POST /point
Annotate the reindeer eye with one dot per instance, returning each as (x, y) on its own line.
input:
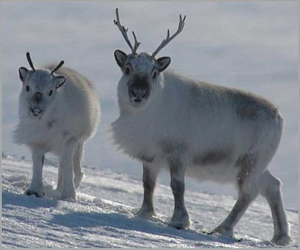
(127, 70)
(27, 88)
(50, 92)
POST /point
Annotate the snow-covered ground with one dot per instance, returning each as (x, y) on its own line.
(103, 215)
(247, 45)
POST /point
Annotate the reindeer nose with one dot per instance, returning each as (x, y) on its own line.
(36, 111)
(38, 96)
(139, 92)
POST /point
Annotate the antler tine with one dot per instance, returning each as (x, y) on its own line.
(57, 67)
(168, 38)
(124, 33)
(136, 43)
(30, 61)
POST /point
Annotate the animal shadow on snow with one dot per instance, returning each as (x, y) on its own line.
(12, 199)
(113, 222)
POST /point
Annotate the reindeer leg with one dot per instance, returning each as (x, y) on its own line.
(149, 181)
(180, 218)
(59, 179)
(270, 189)
(248, 191)
(66, 165)
(235, 215)
(77, 165)
(36, 186)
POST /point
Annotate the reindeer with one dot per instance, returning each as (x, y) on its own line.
(59, 110)
(193, 128)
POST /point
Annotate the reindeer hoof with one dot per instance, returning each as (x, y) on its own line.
(222, 230)
(68, 193)
(282, 240)
(36, 193)
(180, 223)
(145, 213)
(65, 196)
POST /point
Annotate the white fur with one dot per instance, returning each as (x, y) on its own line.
(184, 119)
(67, 122)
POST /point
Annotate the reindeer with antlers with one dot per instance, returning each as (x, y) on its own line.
(203, 130)
(59, 110)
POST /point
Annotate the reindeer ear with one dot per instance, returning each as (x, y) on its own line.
(59, 81)
(163, 63)
(120, 57)
(23, 73)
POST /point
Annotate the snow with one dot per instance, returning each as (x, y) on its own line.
(247, 45)
(103, 215)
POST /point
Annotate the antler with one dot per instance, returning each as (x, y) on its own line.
(124, 33)
(168, 38)
(57, 67)
(30, 61)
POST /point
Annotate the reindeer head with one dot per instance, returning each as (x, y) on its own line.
(141, 71)
(39, 88)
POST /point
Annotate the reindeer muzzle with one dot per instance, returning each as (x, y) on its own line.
(139, 93)
(36, 111)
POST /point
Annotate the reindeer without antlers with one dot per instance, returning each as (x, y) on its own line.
(203, 130)
(58, 113)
